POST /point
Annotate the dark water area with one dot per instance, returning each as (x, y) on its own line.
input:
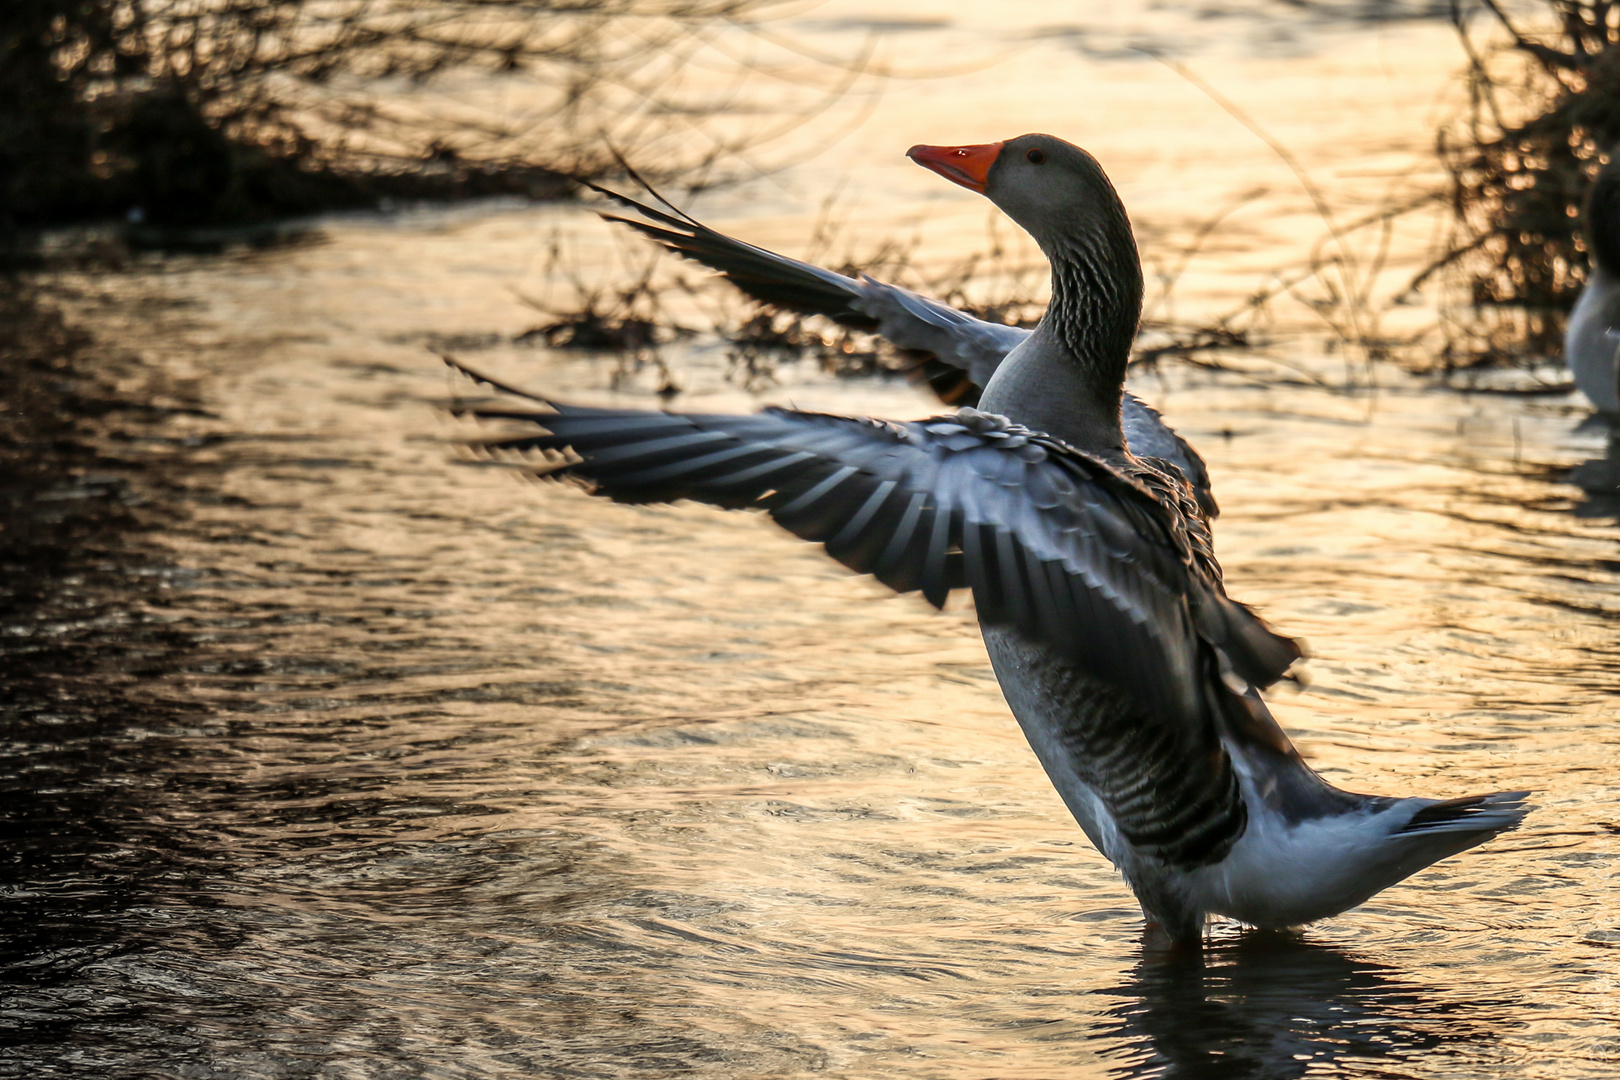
(77, 571)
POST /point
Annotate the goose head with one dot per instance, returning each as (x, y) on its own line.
(1060, 195)
(1052, 188)
(1603, 216)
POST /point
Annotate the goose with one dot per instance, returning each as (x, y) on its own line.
(955, 351)
(1593, 332)
(1134, 677)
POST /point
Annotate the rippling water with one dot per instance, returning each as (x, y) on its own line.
(348, 760)
(329, 752)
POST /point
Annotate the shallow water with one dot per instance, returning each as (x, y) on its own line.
(361, 762)
(330, 752)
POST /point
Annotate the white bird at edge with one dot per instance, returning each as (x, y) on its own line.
(1133, 675)
(1592, 336)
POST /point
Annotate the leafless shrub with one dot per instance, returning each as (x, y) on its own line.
(335, 81)
(594, 316)
(999, 284)
(211, 110)
(628, 320)
(1544, 105)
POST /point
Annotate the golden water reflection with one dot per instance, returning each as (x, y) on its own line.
(437, 767)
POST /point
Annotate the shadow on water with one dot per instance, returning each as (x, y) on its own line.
(1599, 478)
(1271, 1006)
(87, 741)
(205, 860)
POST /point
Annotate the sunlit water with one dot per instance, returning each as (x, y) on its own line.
(358, 758)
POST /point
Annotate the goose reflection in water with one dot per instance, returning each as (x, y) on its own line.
(1599, 478)
(1272, 1006)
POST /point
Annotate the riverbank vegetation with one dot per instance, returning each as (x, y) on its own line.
(1543, 113)
(190, 113)
(187, 114)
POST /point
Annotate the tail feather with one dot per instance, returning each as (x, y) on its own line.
(1486, 814)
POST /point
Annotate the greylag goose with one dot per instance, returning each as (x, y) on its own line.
(1134, 676)
(958, 352)
(1593, 333)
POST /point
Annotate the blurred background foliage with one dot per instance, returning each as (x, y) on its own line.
(1543, 113)
(197, 112)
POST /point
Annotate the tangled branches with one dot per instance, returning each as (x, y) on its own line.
(1543, 108)
(201, 111)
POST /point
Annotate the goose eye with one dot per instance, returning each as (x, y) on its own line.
(1035, 157)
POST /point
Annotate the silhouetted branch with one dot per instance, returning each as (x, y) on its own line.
(1516, 259)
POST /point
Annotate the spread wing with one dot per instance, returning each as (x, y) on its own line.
(904, 318)
(957, 352)
(1053, 543)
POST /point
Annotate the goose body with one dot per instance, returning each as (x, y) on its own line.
(1133, 675)
(1592, 336)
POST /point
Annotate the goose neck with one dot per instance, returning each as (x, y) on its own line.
(1603, 221)
(1066, 380)
(1096, 300)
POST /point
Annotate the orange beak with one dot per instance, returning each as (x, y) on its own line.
(965, 165)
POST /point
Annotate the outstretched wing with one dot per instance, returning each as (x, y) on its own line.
(957, 352)
(1052, 542)
(904, 318)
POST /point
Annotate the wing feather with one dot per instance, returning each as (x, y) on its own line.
(1057, 545)
(938, 336)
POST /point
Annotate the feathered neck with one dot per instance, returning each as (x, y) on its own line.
(1066, 380)
(1096, 297)
(1603, 219)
